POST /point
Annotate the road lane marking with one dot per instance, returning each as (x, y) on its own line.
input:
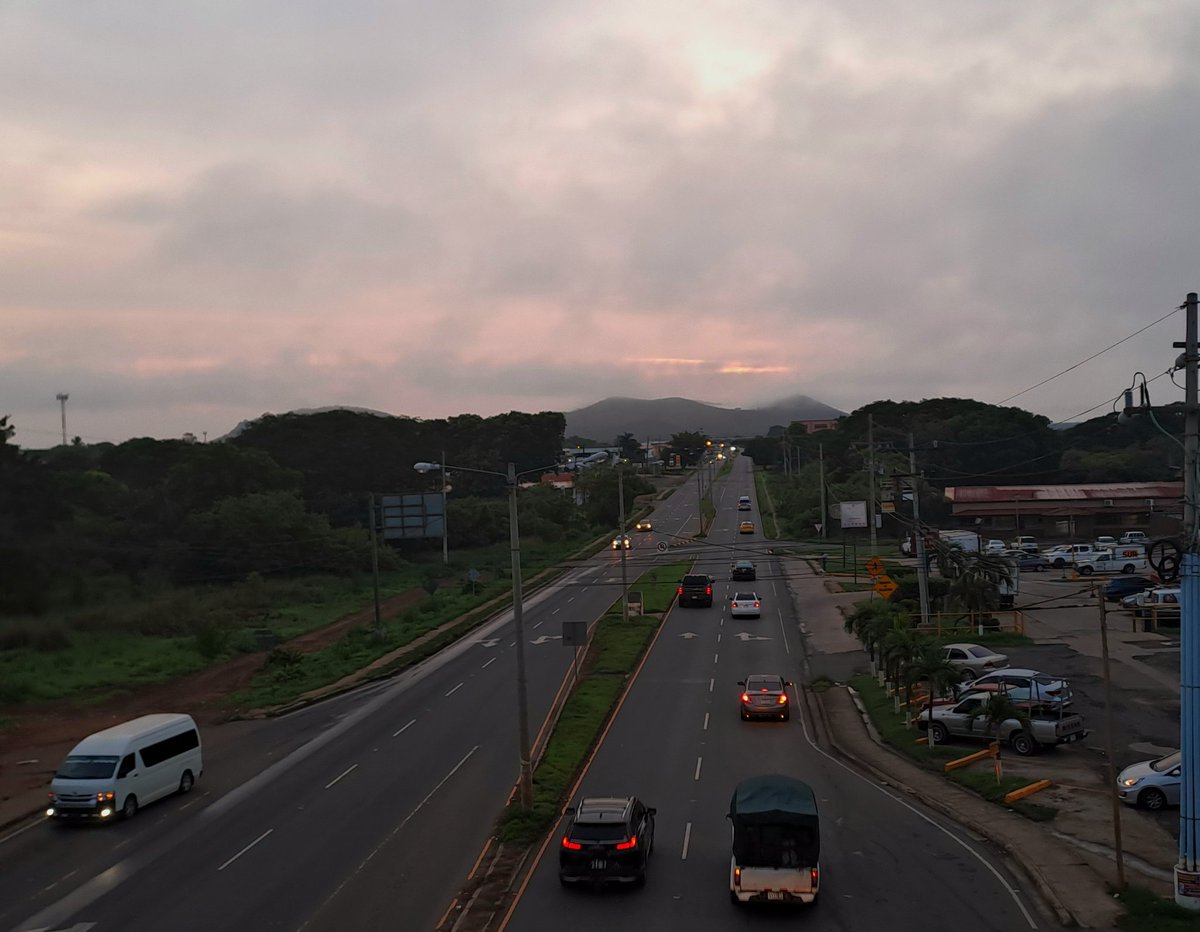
(20, 831)
(408, 818)
(512, 643)
(556, 611)
(455, 689)
(705, 722)
(718, 637)
(687, 837)
(247, 848)
(710, 684)
(784, 630)
(538, 625)
(414, 721)
(1011, 890)
(715, 656)
(572, 599)
(340, 775)
(699, 761)
(489, 663)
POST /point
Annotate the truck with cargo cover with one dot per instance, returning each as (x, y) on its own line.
(1044, 725)
(776, 841)
(696, 589)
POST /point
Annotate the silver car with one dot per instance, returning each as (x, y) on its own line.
(745, 605)
(972, 660)
(1152, 784)
(1023, 686)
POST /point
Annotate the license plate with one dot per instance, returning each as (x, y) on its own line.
(599, 864)
(774, 895)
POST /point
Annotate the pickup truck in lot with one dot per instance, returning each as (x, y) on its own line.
(1128, 559)
(1047, 726)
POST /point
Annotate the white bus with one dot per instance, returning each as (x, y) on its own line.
(119, 770)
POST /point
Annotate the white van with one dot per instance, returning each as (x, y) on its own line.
(118, 770)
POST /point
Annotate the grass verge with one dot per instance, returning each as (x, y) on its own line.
(770, 524)
(890, 725)
(1147, 912)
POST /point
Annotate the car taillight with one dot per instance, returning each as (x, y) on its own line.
(814, 877)
(756, 605)
(627, 845)
(708, 590)
(571, 845)
(745, 698)
(680, 591)
(737, 876)
(782, 699)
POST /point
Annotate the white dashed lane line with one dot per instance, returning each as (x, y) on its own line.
(414, 721)
(344, 773)
(247, 848)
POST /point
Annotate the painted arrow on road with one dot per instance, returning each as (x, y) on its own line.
(746, 636)
(488, 642)
(547, 637)
(689, 634)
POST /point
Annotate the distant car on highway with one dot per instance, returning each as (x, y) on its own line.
(743, 570)
(621, 540)
(746, 527)
(644, 525)
(764, 695)
(744, 503)
(745, 605)
(973, 661)
(606, 839)
(1152, 784)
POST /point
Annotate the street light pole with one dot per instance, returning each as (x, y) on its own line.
(445, 517)
(514, 540)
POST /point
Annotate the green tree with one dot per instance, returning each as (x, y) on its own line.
(929, 666)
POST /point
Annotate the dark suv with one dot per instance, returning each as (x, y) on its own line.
(607, 838)
(696, 589)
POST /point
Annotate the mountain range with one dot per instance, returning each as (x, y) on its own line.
(659, 418)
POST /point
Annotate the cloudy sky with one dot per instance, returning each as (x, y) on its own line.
(216, 209)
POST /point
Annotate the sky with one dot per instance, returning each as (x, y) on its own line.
(210, 211)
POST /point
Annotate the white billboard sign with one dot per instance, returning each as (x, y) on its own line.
(854, 514)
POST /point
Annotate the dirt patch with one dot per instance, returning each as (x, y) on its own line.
(45, 732)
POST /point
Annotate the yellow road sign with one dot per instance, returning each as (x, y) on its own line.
(874, 566)
(885, 586)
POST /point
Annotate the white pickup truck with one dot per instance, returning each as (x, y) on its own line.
(1048, 724)
(1127, 559)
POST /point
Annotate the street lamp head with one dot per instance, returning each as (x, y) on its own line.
(426, 467)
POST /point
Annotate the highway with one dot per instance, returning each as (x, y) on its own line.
(367, 811)
(678, 744)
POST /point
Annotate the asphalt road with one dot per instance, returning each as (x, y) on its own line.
(679, 744)
(365, 812)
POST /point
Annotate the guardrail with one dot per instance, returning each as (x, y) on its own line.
(1012, 622)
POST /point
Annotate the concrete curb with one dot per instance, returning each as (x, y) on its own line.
(1045, 890)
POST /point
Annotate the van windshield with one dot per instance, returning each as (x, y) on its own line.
(87, 768)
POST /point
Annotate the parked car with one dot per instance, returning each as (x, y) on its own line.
(1158, 603)
(744, 570)
(1024, 542)
(1116, 589)
(995, 546)
(764, 695)
(1066, 554)
(1152, 784)
(1026, 560)
(746, 527)
(972, 660)
(644, 525)
(606, 838)
(745, 605)
(1022, 686)
(1104, 542)
(1134, 537)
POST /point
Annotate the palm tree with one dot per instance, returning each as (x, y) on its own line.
(930, 666)
(897, 647)
(1000, 709)
(976, 590)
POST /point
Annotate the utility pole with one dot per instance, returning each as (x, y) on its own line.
(871, 467)
(372, 526)
(918, 534)
(514, 539)
(621, 538)
(62, 403)
(445, 517)
(1108, 742)
(824, 507)
(1187, 870)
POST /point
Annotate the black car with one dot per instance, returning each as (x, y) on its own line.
(696, 589)
(743, 569)
(764, 695)
(607, 838)
(1116, 589)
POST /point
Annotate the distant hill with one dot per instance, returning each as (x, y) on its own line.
(659, 418)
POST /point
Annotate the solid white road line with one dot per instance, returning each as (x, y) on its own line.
(455, 689)
(699, 760)
(687, 837)
(414, 721)
(340, 775)
(489, 663)
(784, 631)
(247, 848)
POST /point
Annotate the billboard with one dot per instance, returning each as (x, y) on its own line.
(413, 516)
